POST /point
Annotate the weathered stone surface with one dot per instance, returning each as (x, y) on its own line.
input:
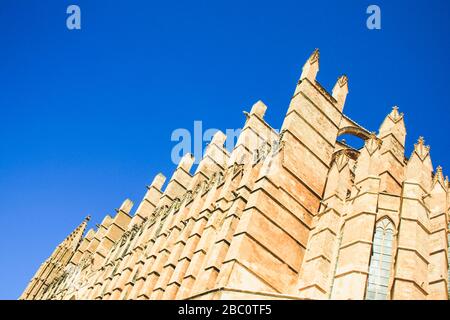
(290, 215)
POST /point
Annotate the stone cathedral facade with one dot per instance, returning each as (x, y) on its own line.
(302, 216)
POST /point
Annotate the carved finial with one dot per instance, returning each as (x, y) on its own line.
(439, 177)
(439, 170)
(311, 67)
(87, 218)
(340, 91)
(421, 149)
(342, 80)
(315, 56)
(394, 125)
(439, 173)
(395, 115)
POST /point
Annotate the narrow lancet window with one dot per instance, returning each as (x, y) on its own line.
(381, 261)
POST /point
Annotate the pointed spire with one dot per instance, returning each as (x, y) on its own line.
(420, 167)
(421, 149)
(314, 57)
(394, 125)
(74, 238)
(368, 163)
(439, 177)
(395, 115)
(311, 67)
(340, 91)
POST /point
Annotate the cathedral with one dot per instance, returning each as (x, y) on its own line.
(291, 214)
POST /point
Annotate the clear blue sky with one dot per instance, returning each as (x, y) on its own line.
(87, 116)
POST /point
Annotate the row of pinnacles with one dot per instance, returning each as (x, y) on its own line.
(305, 216)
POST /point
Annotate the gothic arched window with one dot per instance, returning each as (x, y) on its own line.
(381, 261)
